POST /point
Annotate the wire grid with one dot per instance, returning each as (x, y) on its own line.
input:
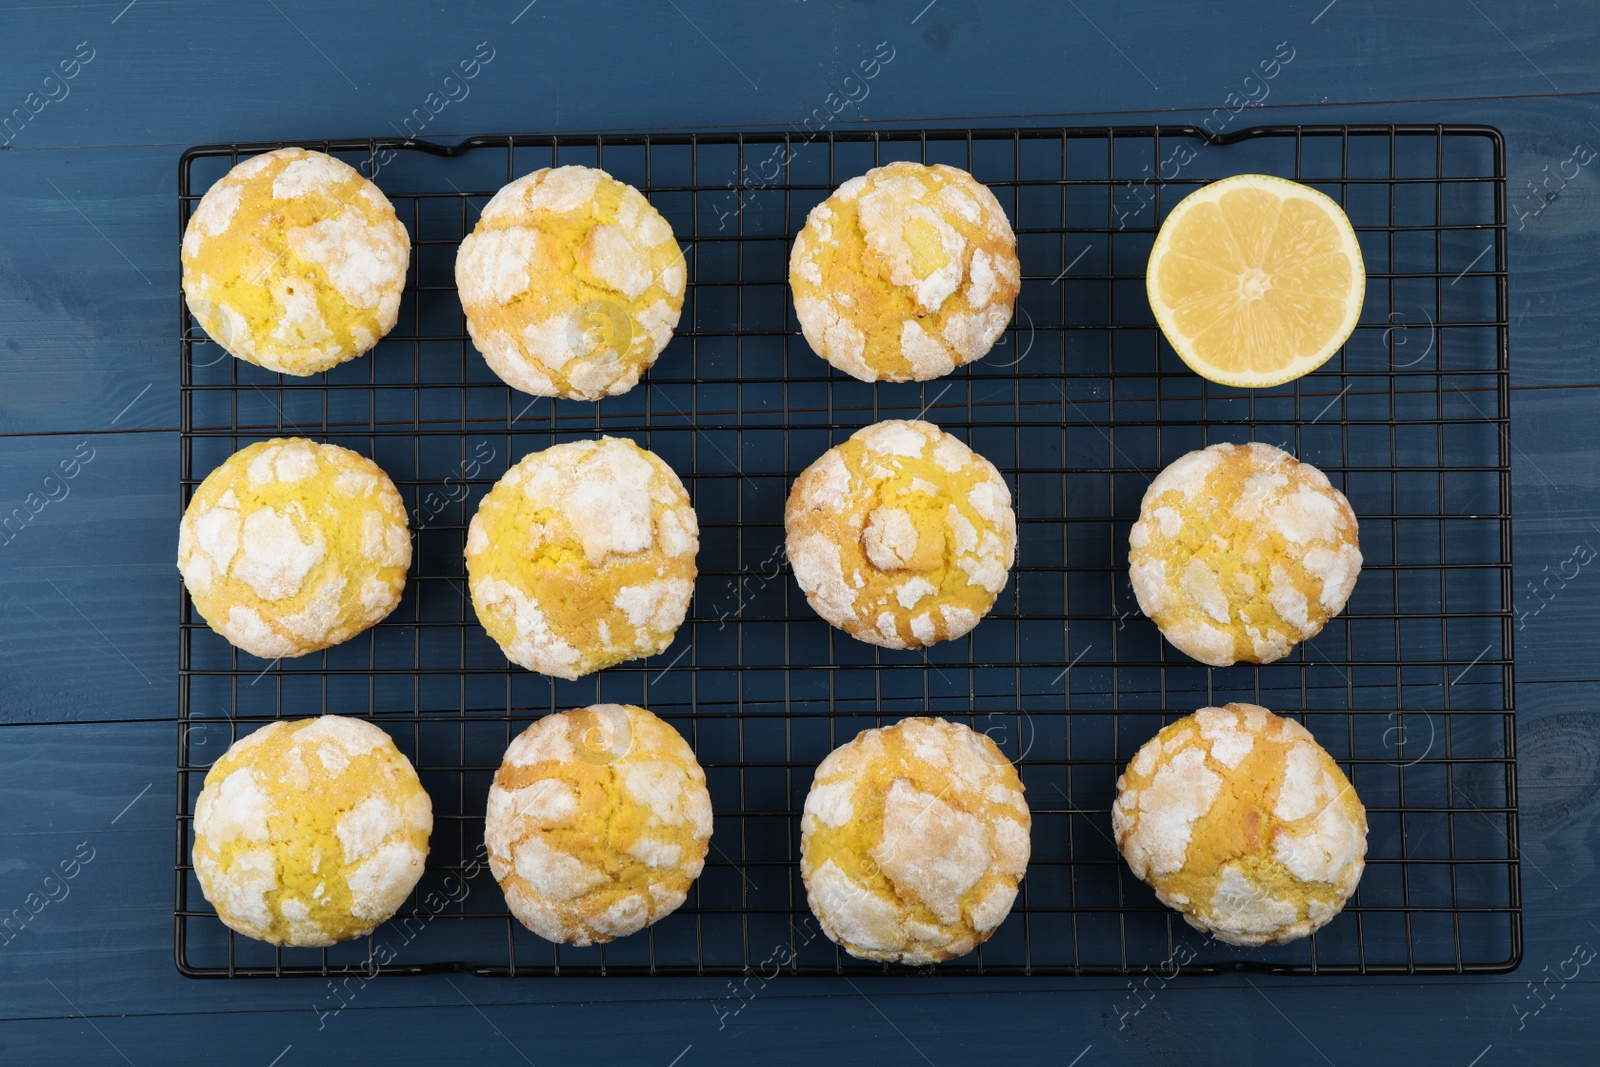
(1079, 405)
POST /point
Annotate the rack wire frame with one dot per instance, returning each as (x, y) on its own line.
(1079, 405)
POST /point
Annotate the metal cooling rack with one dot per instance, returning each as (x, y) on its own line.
(1079, 405)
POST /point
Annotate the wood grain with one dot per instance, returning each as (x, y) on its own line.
(88, 287)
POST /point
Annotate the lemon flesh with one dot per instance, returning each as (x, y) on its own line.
(1256, 280)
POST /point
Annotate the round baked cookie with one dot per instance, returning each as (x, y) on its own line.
(905, 273)
(583, 556)
(291, 546)
(310, 832)
(597, 824)
(902, 536)
(1242, 551)
(295, 262)
(912, 842)
(572, 283)
(1240, 820)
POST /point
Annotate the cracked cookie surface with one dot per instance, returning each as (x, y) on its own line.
(310, 832)
(901, 536)
(905, 273)
(583, 556)
(291, 546)
(295, 262)
(1242, 551)
(572, 283)
(913, 840)
(598, 822)
(1240, 820)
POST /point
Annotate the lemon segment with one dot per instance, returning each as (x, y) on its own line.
(1256, 280)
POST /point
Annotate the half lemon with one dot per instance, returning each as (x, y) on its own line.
(1256, 280)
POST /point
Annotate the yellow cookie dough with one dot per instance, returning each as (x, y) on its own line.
(310, 832)
(291, 546)
(572, 283)
(294, 261)
(913, 840)
(1241, 821)
(1242, 551)
(901, 536)
(905, 273)
(583, 556)
(598, 822)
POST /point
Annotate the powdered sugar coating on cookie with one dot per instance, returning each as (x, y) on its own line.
(583, 556)
(598, 821)
(291, 546)
(1242, 551)
(902, 536)
(294, 261)
(913, 840)
(905, 273)
(310, 832)
(1240, 820)
(572, 283)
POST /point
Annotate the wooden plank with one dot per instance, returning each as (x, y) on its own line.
(88, 290)
(88, 601)
(302, 69)
(105, 791)
(88, 280)
(1307, 1023)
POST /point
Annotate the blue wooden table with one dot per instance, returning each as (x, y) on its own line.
(97, 100)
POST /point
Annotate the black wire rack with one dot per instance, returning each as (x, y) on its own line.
(1079, 405)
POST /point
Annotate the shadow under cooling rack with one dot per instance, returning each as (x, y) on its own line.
(1079, 405)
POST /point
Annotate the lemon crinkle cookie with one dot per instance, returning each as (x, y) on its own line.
(583, 556)
(901, 536)
(598, 822)
(295, 262)
(1240, 820)
(572, 283)
(912, 841)
(310, 832)
(291, 546)
(1242, 551)
(905, 273)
